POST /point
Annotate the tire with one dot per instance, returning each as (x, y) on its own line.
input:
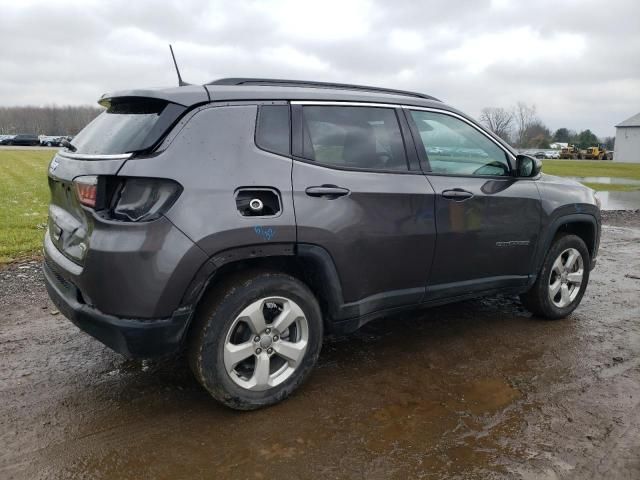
(538, 299)
(219, 324)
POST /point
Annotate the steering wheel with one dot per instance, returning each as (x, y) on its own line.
(490, 169)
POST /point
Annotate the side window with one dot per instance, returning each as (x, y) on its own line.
(354, 137)
(273, 132)
(455, 147)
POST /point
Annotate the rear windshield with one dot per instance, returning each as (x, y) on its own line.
(128, 125)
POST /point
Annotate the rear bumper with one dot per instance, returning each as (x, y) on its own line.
(142, 338)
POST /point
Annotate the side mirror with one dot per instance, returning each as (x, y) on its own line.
(527, 166)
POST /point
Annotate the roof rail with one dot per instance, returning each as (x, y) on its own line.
(311, 84)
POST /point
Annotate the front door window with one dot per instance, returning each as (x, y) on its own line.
(454, 147)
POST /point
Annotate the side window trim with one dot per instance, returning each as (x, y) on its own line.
(296, 130)
(410, 149)
(415, 139)
(298, 136)
(423, 151)
(418, 144)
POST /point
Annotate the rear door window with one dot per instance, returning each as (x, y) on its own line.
(353, 137)
(127, 125)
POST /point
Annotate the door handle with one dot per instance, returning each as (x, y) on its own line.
(457, 194)
(329, 191)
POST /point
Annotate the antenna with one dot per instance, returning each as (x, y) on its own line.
(181, 82)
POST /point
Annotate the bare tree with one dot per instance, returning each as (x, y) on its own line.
(498, 120)
(525, 117)
(50, 120)
(537, 135)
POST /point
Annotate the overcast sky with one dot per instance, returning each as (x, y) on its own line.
(578, 61)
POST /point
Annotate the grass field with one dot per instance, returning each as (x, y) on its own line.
(23, 202)
(24, 194)
(591, 168)
(608, 187)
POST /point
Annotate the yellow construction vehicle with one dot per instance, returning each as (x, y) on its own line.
(570, 151)
(595, 153)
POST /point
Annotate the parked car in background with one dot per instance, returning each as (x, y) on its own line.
(471, 152)
(552, 154)
(24, 139)
(5, 139)
(435, 150)
(50, 141)
(540, 155)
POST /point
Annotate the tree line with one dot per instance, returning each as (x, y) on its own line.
(521, 127)
(50, 120)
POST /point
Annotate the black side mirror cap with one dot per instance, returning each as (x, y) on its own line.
(527, 166)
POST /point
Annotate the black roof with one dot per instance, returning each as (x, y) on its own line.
(277, 82)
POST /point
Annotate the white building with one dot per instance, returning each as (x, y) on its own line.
(559, 145)
(627, 147)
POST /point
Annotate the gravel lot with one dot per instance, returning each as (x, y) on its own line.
(479, 389)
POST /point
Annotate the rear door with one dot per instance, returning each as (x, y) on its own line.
(487, 220)
(360, 196)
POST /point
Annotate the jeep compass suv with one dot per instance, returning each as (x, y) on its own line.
(244, 219)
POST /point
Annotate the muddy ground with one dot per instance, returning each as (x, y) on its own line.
(478, 389)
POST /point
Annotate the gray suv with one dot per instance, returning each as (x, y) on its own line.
(244, 219)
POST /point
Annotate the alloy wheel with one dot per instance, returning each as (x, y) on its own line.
(566, 276)
(266, 343)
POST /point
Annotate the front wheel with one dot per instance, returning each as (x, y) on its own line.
(562, 281)
(256, 340)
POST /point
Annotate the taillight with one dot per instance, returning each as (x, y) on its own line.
(87, 190)
(128, 199)
(143, 199)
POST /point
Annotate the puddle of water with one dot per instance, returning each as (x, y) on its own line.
(488, 395)
(619, 200)
(615, 200)
(607, 180)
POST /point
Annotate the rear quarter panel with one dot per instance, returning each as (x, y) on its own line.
(211, 155)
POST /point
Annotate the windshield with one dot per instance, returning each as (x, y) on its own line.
(128, 125)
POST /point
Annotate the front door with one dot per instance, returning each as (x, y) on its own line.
(355, 196)
(487, 220)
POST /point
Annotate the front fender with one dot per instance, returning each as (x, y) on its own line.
(568, 220)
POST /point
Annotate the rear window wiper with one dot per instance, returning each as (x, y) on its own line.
(68, 145)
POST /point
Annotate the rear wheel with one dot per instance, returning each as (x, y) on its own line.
(256, 340)
(563, 279)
